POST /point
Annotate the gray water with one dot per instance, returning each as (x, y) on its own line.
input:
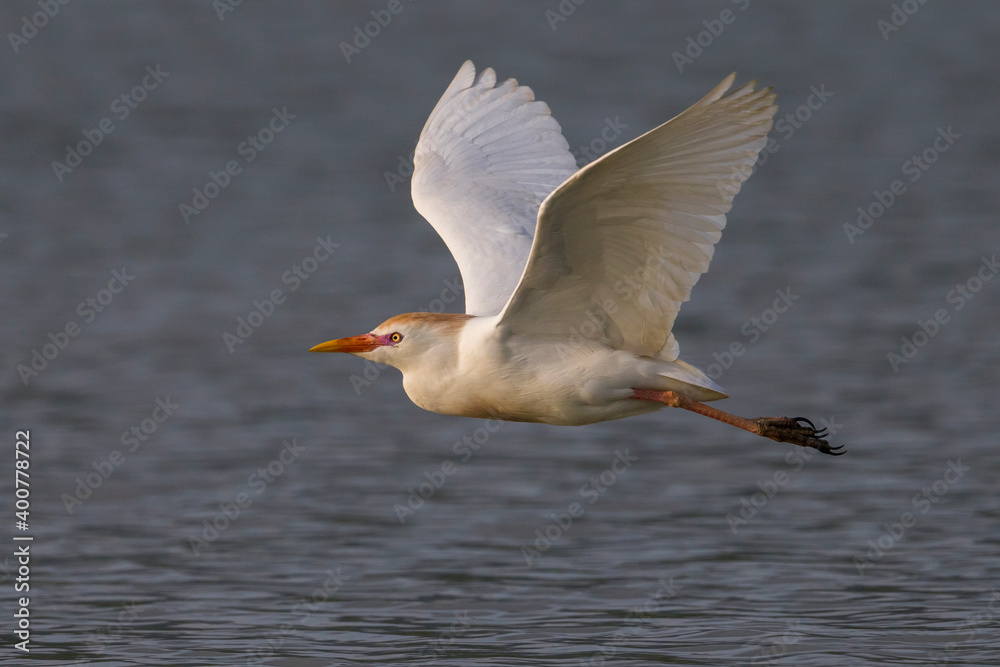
(711, 547)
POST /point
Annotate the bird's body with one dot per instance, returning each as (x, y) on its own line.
(568, 322)
(470, 368)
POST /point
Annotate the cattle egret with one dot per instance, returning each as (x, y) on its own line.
(568, 321)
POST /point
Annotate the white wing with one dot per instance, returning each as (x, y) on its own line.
(487, 158)
(620, 245)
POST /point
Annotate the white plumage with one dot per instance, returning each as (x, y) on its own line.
(569, 321)
(487, 157)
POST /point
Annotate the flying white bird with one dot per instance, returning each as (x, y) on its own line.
(568, 321)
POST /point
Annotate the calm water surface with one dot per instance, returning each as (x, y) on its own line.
(200, 501)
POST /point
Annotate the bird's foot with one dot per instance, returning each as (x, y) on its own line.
(796, 430)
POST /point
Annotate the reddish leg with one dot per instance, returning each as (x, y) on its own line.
(779, 429)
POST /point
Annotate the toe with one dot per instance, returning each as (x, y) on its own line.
(797, 431)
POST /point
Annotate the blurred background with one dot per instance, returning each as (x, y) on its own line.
(194, 194)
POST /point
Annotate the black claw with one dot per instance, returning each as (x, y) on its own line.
(803, 419)
(798, 431)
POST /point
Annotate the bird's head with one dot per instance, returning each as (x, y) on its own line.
(402, 339)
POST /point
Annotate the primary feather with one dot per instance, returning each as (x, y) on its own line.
(623, 241)
(486, 159)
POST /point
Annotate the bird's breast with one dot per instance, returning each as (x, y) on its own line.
(527, 381)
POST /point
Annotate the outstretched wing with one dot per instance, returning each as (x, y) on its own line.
(487, 158)
(620, 245)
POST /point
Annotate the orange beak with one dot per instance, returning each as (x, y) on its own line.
(363, 343)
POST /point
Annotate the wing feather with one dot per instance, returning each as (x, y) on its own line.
(621, 243)
(487, 157)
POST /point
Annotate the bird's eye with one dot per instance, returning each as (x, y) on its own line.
(396, 337)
